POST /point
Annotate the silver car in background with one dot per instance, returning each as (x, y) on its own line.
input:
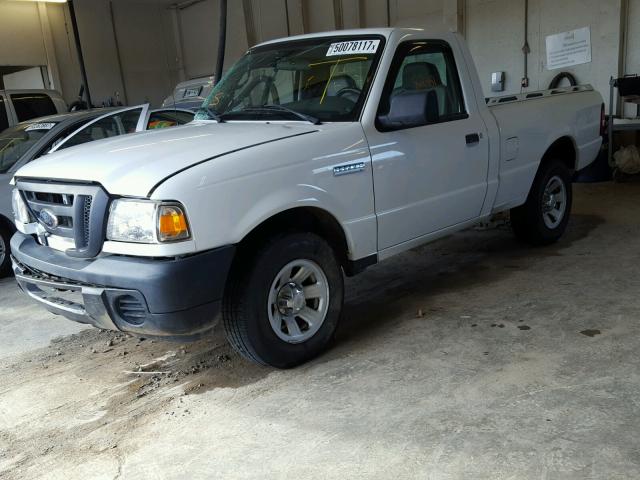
(190, 94)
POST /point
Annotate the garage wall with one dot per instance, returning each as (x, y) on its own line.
(417, 13)
(632, 61)
(632, 57)
(494, 29)
(21, 36)
(99, 49)
(132, 58)
(146, 47)
(495, 33)
(65, 54)
(159, 45)
(199, 36)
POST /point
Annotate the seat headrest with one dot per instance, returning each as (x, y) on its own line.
(340, 82)
(420, 76)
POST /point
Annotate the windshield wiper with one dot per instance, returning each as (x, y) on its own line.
(278, 108)
(213, 115)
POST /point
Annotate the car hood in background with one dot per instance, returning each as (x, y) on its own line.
(134, 164)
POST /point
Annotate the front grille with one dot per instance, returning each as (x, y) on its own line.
(86, 219)
(75, 211)
(39, 201)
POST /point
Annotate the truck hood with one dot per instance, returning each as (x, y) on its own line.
(134, 164)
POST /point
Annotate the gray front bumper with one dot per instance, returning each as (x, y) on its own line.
(175, 297)
(88, 306)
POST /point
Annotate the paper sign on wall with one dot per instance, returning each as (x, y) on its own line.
(569, 48)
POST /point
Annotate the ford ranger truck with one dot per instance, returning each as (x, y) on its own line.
(315, 157)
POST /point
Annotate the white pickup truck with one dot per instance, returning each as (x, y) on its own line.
(315, 156)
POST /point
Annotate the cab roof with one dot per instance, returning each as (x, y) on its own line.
(385, 32)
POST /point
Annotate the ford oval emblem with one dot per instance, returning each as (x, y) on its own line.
(48, 218)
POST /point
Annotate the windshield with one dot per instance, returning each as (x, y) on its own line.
(324, 79)
(14, 142)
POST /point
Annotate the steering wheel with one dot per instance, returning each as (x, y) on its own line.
(349, 93)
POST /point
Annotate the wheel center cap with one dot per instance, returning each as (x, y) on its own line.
(549, 202)
(291, 299)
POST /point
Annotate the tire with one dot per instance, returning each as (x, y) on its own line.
(543, 218)
(5, 258)
(268, 301)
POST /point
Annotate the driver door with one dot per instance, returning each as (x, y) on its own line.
(434, 175)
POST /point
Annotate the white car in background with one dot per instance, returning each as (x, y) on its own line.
(21, 105)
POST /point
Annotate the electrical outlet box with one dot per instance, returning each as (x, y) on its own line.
(497, 82)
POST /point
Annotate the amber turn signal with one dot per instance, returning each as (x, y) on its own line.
(172, 224)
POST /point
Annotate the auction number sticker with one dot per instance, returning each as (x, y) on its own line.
(353, 47)
(40, 126)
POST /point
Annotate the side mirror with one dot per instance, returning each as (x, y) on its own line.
(410, 109)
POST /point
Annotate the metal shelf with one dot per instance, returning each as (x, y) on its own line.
(617, 124)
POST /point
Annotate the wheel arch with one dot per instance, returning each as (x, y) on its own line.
(563, 149)
(302, 219)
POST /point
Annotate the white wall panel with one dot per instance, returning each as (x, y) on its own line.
(417, 13)
(21, 40)
(98, 49)
(633, 38)
(319, 15)
(145, 42)
(494, 29)
(270, 19)
(68, 68)
(495, 33)
(199, 25)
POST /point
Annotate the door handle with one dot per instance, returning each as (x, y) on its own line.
(472, 138)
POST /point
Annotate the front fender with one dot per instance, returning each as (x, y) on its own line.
(229, 196)
(300, 196)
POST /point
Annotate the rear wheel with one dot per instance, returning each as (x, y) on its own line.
(5, 260)
(283, 304)
(543, 218)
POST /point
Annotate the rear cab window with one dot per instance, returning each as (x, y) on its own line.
(32, 105)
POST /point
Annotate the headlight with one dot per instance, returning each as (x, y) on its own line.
(20, 210)
(144, 221)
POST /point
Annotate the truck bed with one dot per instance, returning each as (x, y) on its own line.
(523, 97)
(530, 122)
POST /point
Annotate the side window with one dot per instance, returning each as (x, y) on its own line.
(111, 126)
(32, 105)
(60, 136)
(4, 117)
(426, 66)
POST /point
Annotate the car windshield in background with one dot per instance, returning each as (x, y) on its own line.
(14, 142)
(314, 80)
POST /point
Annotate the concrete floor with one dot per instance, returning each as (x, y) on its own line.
(474, 357)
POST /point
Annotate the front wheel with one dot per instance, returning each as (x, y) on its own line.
(543, 218)
(283, 303)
